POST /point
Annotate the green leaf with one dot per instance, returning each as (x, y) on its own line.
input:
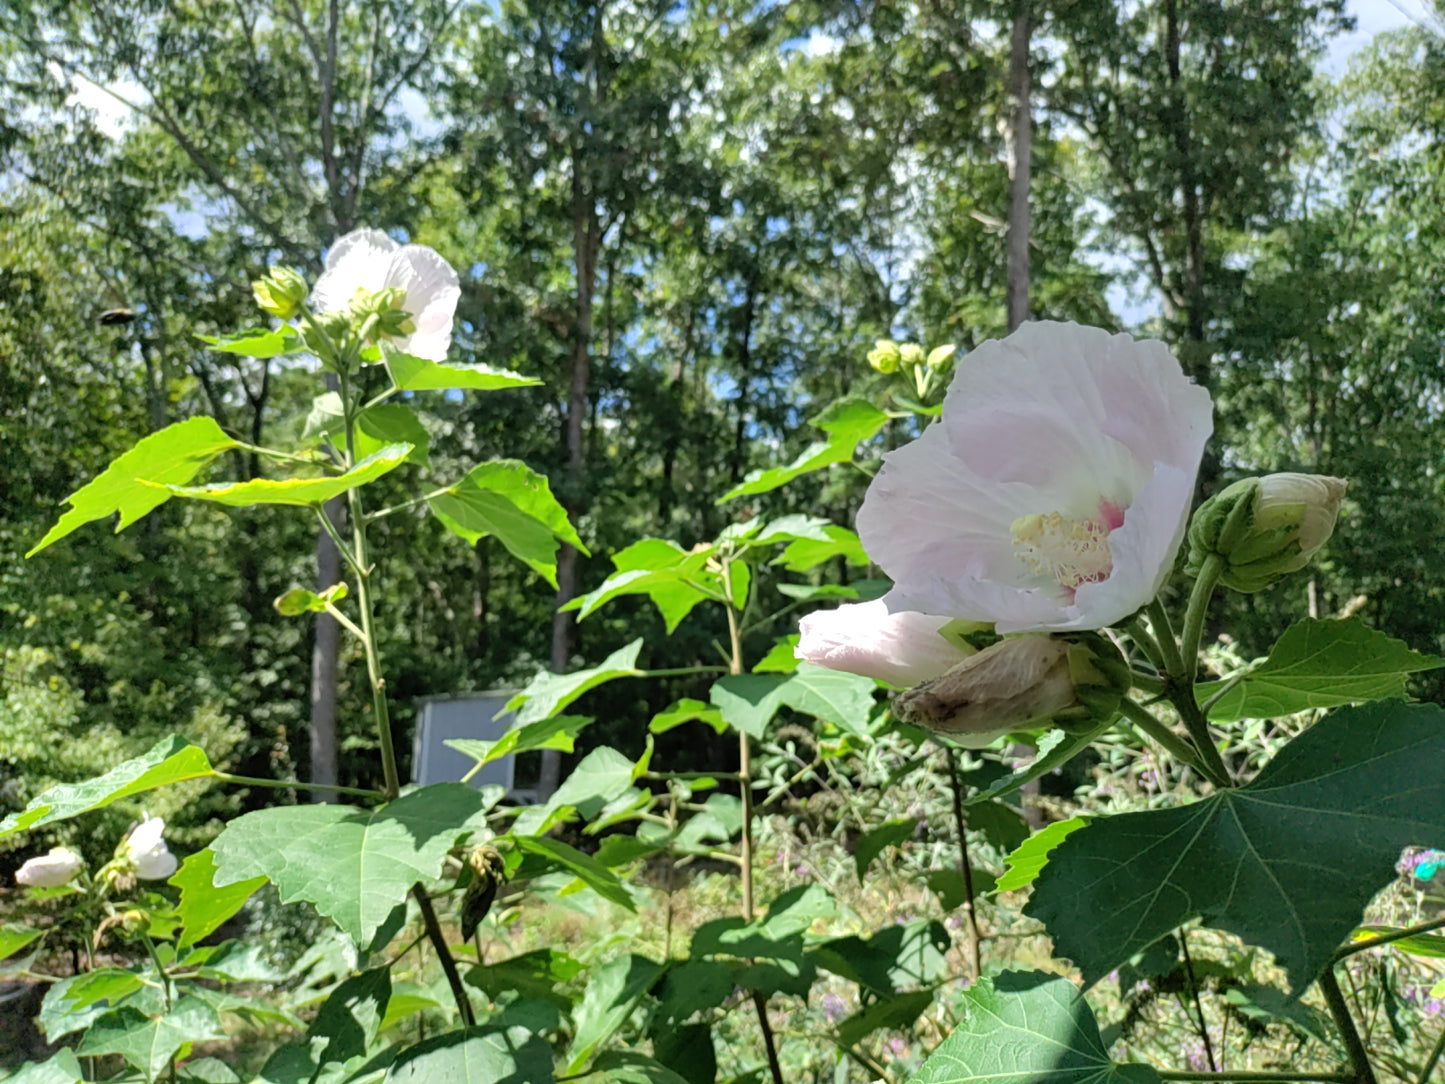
(913, 954)
(895, 1013)
(694, 986)
(14, 937)
(1287, 862)
(1319, 664)
(547, 693)
(847, 422)
(871, 844)
(782, 658)
(150, 1044)
(613, 990)
(1055, 749)
(719, 820)
(952, 890)
(683, 711)
(171, 456)
(355, 865)
(481, 1055)
(63, 1068)
(557, 732)
(630, 1067)
(508, 499)
(351, 1017)
(298, 491)
(391, 423)
(586, 868)
(408, 999)
(675, 579)
(1419, 944)
(749, 701)
(256, 343)
(410, 373)
(1002, 825)
(1030, 857)
(1028, 1028)
(805, 554)
(203, 907)
(1265, 1003)
(171, 760)
(299, 601)
(535, 975)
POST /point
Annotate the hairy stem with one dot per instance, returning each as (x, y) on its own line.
(1197, 611)
(970, 915)
(1362, 1073)
(1176, 746)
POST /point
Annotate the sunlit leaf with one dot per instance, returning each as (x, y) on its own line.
(150, 1044)
(419, 374)
(847, 422)
(257, 343)
(203, 907)
(299, 491)
(547, 693)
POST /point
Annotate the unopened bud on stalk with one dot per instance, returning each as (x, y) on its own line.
(940, 358)
(281, 292)
(910, 355)
(51, 870)
(1265, 528)
(1072, 680)
(884, 356)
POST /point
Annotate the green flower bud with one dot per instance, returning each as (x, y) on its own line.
(940, 358)
(1074, 680)
(911, 355)
(1265, 528)
(884, 356)
(281, 292)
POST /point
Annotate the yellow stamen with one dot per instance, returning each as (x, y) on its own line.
(1068, 551)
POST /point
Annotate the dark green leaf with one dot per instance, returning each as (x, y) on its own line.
(613, 991)
(1265, 1003)
(172, 456)
(591, 872)
(482, 1055)
(1287, 862)
(1319, 664)
(535, 975)
(1028, 1028)
(871, 844)
(895, 1012)
(355, 865)
(694, 986)
(171, 760)
(1002, 825)
(685, 1055)
(63, 1068)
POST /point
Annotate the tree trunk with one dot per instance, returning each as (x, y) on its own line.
(1020, 143)
(585, 242)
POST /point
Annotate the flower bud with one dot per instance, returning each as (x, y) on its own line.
(940, 358)
(884, 356)
(50, 870)
(911, 355)
(1265, 528)
(1021, 681)
(281, 292)
(145, 852)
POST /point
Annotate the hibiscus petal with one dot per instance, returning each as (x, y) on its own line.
(903, 649)
(432, 292)
(357, 261)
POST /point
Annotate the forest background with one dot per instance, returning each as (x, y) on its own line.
(690, 222)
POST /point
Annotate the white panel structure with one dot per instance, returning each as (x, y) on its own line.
(474, 716)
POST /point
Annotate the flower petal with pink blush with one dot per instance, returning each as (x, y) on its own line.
(1055, 489)
(902, 649)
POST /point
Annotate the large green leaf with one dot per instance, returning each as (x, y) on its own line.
(481, 1055)
(355, 865)
(14, 937)
(148, 1043)
(749, 701)
(411, 373)
(805, 554)
(508, 499)
(535, 975)
(299, 491)
(1026, 1027)
(74, 1003)
(675, 579)
(547, 693)
(1318, 664)
(171, 760)
(171, 456)
(1287, 862)
(557, 732)
(630, 1067)
(203, 906)
(847, 423)
(612, 992)
(63, 1068)
(873, 842)
(895, 1012)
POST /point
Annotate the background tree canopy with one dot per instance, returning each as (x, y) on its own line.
(689, 222)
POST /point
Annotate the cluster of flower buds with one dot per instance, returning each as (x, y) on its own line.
(281, 293)
(1262, 529)
(888, 356)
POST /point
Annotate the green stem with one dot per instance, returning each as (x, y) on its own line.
(1197, 611)
(970, 914)
(688, 776)
(272, 453)
(253, 781)
(1174, 664)
(1147, 682)
(1386, 938)
(1345, 1025)
(404, 505)
(160, 969)
(683, 671)
(1146, 643)
(1176, 746)
(1432, 1060)
(340, 543)
(444, 954)
(345, 622)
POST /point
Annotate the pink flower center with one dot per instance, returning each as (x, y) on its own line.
(1068, 551)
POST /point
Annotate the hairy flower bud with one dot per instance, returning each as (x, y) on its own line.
(1021, 681)
(1265, 528)
(884, 356)
(50, 870)
(281, 292)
